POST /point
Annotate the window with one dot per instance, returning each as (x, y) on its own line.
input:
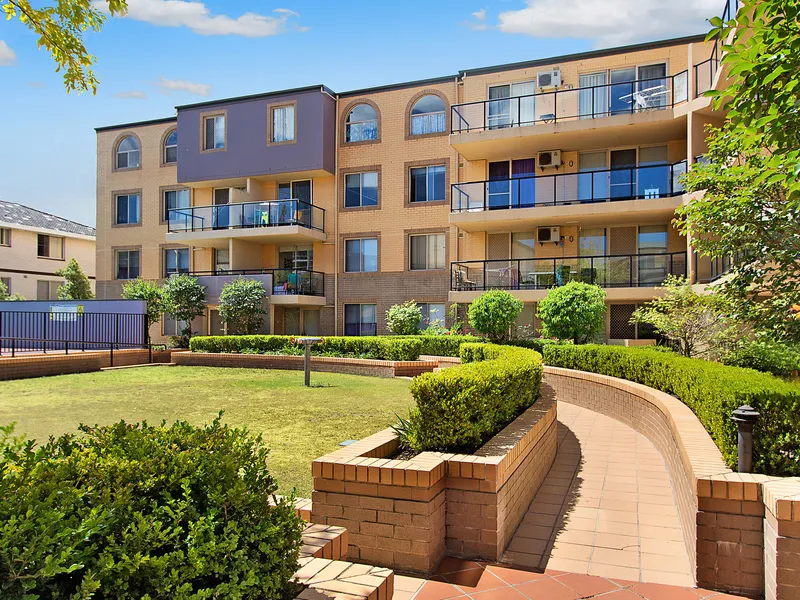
(427, 252)
(361, 189)
(47, 290)
(127, 264)
(432, 313)
(592, 242)
(214, 133)
(50, 246)
(427, 184)
(5, 237)
(428, 115)
(171, 326)
(360, 319)
(362, 124)
(6, 281)
(176, 260)
(176, 199)
(127, 209)
(282, 124)
(171, 148)
(361, 256)
(222, 261)
(296, 257)
(128, 153)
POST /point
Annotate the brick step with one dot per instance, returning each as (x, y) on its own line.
(340, 580)
(324, 541)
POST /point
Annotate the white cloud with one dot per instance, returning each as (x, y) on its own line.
(197, 17)
(610, 22)
(480, 15)
(167, 86)
(133, 95)
(7, 56)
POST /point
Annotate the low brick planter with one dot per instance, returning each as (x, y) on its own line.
(25, 366)
(351, 366)
(407, 515)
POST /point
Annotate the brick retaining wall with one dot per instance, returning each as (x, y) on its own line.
(42, 365)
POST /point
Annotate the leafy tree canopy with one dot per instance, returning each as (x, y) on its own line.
(76, 284)
(151, 293)
(493, 313)
(241, 305)
(185, 300)
(575, 311)
(404, 319)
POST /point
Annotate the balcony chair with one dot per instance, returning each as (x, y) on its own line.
(462, 282)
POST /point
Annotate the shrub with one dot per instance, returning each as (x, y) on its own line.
(713, 391)
(76, 284)
(537, 344)
(767, 356)
(460, 408)
(404, 319)
(4, 295)
(136, 511)
(575, 311)
(241, 305)
(185, 299)
(493, 313)
(443, 345)
(151, 293)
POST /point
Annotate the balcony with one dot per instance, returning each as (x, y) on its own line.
(585, 117)
(705, 72)
(285, 286)
(495, 204)
(272, 221)
(536, 275)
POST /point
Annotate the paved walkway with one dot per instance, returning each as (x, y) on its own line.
(606, 508)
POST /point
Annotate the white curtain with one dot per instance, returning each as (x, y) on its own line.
(593, 101)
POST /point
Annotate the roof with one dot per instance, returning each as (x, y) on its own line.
(138, 124)
(18, 214)
(308, 88)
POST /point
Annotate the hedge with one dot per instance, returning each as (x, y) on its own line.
(441, 345)
(376, 348)
(458, 409)
(136, 511)
(713, 391)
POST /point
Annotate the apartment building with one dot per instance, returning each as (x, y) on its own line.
(520, 177)
(35, 244)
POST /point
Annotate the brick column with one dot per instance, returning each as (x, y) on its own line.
(782, 539)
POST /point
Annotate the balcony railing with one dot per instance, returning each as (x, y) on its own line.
(271, 213)
(608, 185)
(609, 271)
(285, 282)
(705, 71)
(589, 102)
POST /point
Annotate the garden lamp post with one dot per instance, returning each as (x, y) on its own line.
(307, 342)
(745, 418)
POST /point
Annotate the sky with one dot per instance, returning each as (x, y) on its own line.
(166, 53)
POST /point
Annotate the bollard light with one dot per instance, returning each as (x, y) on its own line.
(745, 418)
(308, 342)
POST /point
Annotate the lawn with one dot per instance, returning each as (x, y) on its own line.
(299, 424)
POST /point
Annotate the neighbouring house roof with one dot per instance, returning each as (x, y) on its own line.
(18, 214)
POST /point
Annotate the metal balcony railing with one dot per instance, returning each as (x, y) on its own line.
(285, 282)
(608, 185)
(589, 102)
(268, 213)
(609, 271)
(705, 71)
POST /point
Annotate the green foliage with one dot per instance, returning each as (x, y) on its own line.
(241, 305)
(460, 408)
(713, 391)
(136, 511)
(4, 295)
(375, 348)
(151, 293)
(766, 356)
(537, 344)
(493, 313)
(404, 319)
(60, 30)
(184, 299)
(699, 324)
(575, 311)
(76, 285)
(444, 345)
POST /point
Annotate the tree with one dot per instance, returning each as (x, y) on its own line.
(699, 324)
(241, 305)
(151, 293)
(60, 31)
(185, 300)
(76, 285)
(4, 295)
(404, 319)
(575, 311)
(493, 313)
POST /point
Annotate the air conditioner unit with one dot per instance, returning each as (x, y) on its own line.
(549, 79)
(548, 234)
(551, 158)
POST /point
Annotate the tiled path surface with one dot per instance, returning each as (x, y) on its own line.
(467, 580)
(606, 508)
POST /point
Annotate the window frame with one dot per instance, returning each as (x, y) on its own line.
(164, 209)
(50, 239)
(118, 253)
(115, 156)
(5, 237)
(427, 168)
(175, 250)
(361, 172)
(204, 118)
(361, 241)
(271, 108)
(426, 309)
(426, 235)
(409, 116)
(361, 321)
(7, 282)
(165, 146)
(168, 318)
(52, 294)
(347, 123)
(115, 208)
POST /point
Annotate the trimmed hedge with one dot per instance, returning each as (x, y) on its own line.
(713, 391)
(442, 345)
(460, 408)
(375, 348)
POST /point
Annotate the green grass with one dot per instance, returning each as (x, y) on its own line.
(298, 424)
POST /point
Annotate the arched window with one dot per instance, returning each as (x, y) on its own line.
(428, 115)
(171, 148)
(361, 124)
(128, 153)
